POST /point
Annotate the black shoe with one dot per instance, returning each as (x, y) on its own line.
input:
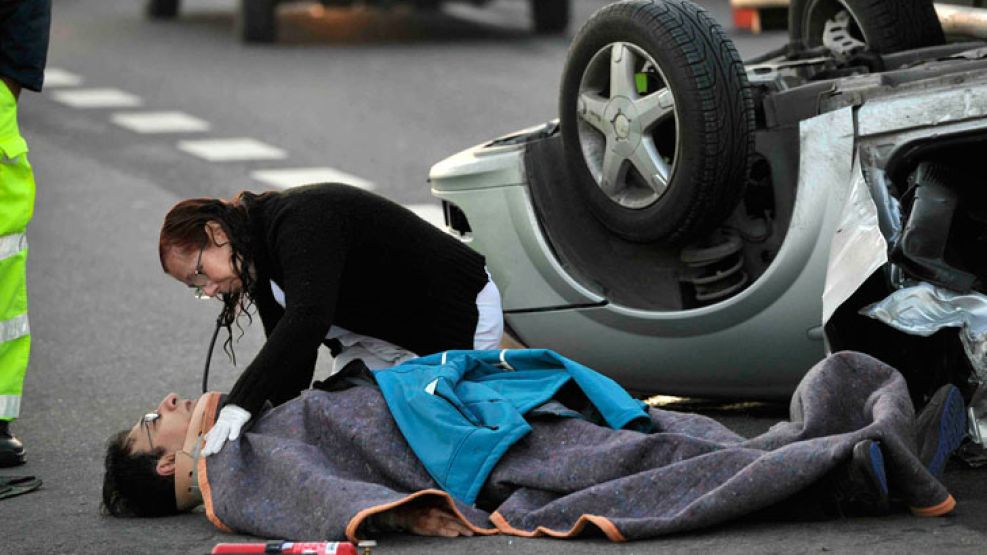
(941, 428)
(11, 449)
(860, 488)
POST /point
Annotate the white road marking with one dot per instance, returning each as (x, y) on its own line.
(97, 98)
(228, 150)
(55, 77)
(292, 177)
(431, 213)
(159, 122)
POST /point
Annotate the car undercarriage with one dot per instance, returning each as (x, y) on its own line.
(624, 235)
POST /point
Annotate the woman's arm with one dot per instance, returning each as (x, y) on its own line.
(310, 250)
(295, 379)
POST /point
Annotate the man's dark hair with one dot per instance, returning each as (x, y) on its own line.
(131, 485)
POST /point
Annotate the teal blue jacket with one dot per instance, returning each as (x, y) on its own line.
(460, 411)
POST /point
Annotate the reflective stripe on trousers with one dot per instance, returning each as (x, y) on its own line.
(17, 191)
(10, 406)
(15, 329)
(12, 244)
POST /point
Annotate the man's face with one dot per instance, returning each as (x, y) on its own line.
(168, 430)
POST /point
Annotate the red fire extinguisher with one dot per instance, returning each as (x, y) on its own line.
(291, 548)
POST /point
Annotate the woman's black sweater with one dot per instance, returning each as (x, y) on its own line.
(347, 257)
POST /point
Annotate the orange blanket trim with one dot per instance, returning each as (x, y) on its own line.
(938, 509)
(208, 419)
(358, 519)
(603, 523)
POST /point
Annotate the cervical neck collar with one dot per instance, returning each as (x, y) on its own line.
(187, 494)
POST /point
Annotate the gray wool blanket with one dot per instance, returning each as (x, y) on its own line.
(318, 466)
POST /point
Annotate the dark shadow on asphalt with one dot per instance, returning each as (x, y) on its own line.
(716, 407)
(746, 418)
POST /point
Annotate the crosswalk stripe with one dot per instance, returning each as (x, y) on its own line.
(96, 98)
(233, 149)
(55, 77)
(159, 122)
(292, 177)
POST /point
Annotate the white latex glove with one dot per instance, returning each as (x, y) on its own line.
(231, 420)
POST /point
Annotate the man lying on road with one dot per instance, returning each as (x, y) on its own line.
(529, 443)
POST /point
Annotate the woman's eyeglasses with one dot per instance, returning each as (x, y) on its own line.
(197, 279)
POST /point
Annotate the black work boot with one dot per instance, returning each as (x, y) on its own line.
(860, 487)
(11, 449)
(940, 428)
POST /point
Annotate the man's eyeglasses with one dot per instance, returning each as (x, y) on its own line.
(146, 422)
(197, 279)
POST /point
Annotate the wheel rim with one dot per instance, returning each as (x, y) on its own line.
(628, 133)
(829, 23)
(841, 35)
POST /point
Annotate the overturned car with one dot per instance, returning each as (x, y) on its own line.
(697, 225)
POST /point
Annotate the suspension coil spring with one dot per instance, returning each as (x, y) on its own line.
(715, 267)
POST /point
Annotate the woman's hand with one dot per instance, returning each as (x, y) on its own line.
(231, 419)
(430, 521)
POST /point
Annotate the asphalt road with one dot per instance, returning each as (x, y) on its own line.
(379, 96)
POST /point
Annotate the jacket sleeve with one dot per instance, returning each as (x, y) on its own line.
(24, 29)
(296, 378)
(309, 250)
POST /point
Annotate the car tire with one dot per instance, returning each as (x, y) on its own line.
(550, 16)
(882, 26)
(703, 143)
(162, 9)
(258, 20)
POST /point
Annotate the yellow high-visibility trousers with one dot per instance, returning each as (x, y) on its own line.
(16, 209)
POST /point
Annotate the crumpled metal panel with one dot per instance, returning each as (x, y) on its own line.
(924, 309)
(920, 110)
(977, 426)
(888, 207)
(857, 249)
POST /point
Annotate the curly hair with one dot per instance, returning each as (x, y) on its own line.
(132, 486)
(184, 231)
